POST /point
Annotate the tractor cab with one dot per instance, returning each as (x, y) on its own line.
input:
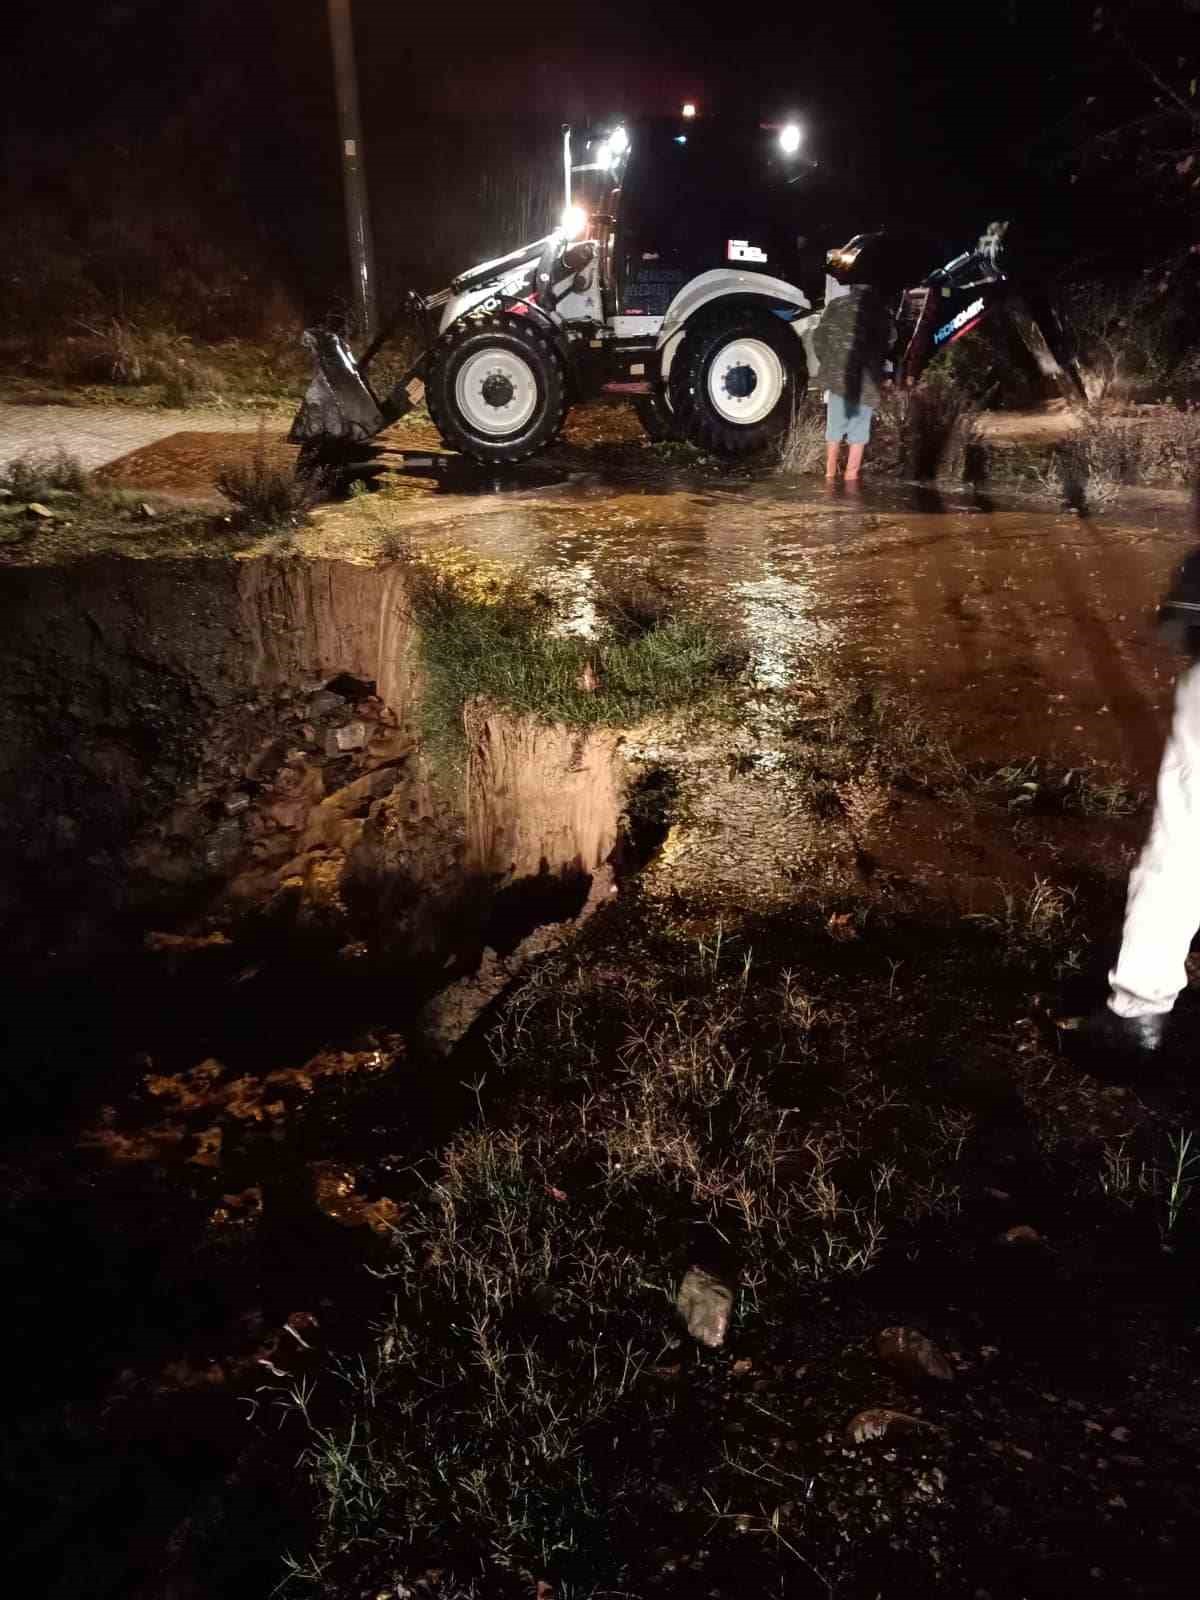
(700, 198)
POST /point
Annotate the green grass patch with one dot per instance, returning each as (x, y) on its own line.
(501, 645)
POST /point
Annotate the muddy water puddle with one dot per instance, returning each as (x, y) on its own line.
(1026, 627)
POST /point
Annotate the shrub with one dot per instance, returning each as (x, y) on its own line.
(268, 496)
(1123, 337)
(930, 432)
(803, 447)
(993, 366)
(32, 477)
(1112, 452)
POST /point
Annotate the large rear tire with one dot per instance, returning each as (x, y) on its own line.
(734, 381)
(496, 389)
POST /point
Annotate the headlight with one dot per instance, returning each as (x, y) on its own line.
(790, 137)
(618, 141)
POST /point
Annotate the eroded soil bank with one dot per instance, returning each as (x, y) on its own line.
(281, 1012)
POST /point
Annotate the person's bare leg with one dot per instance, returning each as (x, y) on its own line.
(854, 457)
(832, 451)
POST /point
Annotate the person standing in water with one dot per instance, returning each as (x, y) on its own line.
(852, 342)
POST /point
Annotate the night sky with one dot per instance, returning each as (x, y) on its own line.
(935, 112)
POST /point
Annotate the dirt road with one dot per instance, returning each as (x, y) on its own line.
(99, 434)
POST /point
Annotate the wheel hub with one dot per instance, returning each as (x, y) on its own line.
(740, 382)
(746, 380)
(496, 392)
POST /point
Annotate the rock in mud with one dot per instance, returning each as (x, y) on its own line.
(913, 1354)
(182, 943)
(704, 1303)
(325, 704)
(352, 737)
(238, 1210)
(289, 814)
(335, 1192)
(879, 1422)
(223, 845)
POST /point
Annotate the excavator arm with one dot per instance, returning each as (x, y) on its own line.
(955, 298)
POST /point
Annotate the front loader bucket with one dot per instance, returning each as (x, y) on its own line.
(338, 407)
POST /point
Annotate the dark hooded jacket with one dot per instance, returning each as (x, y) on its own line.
(852, 341)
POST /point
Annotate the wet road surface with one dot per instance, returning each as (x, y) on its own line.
(1026, 626)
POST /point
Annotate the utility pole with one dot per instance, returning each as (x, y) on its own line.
(354, 178)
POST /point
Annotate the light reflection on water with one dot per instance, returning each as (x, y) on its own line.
(1012, 615)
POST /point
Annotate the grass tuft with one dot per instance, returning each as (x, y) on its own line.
(501, 645)
(803, 446)
(267, 496)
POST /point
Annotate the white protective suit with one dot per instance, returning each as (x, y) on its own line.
(1162, 912)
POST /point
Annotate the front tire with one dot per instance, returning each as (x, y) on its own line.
(496, 390)
(734, 381)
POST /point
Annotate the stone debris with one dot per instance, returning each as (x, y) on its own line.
(912, 1353)
(351, 737)
(236, 802)
(880, 1422)
(324, 704)
(238, 1210)
(222, 845)
(1021, 1234)
(38, 510)
(704, 1303)
(334, 1191)
(184, 942)
(145, 509)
